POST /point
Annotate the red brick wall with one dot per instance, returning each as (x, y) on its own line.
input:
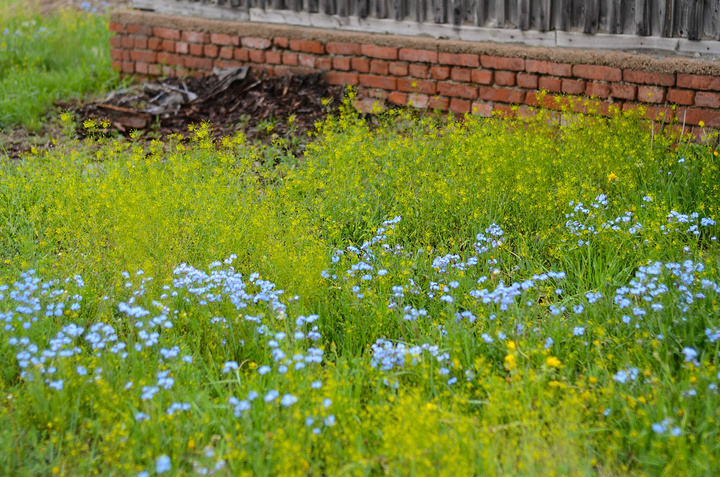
(458, 82)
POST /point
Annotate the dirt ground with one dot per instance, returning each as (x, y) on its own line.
(237, 99)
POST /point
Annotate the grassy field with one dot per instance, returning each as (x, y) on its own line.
(44, 58)
(423, 297)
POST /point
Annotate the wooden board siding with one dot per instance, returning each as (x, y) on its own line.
(675, 25)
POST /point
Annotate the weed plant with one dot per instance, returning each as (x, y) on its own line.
(477, 297)
(43, 58)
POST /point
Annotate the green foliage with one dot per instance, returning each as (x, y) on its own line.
(546, 303)
(44, 58)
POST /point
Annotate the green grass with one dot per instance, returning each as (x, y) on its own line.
(43, 58)
(608, 368)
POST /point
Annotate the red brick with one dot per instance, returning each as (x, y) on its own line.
(598, 73)
(126, 55)
(169, 59)
(128, 42)
(146, 56)
(502, 95)
(502, 63)
(141, 67)
(382, 82)
(482, 109)
(155, 70)
(681, 96)
(281, 42)
(548, 68)
(398, 69)
(457, 90)
(169, 46)
(650, 94)
(273, 57)
(116, 41)
(134, 29)
(459, 59)
(128, 67)
(343, 48)
(378, 67)
(195, 37)
(155, 44)
(570, 86)
(705, 99)
(196, 49)
(459, 106)
(360, 64)
(199, 63)
(226, 53)
(482, 77)
(256, 43)
(698, 82)
(116, 65)
(336, 78)
(380, 52)
(182, 47)
(505, 78)
(653, 113)
(140, 43)
(416, 86)
(290, 59)
(306, 61)
(307, 46)
(341, 63)
(398, 98)
(623, 91)
(418, 56)
(646, 77)
(418, 100)
(503, 110)
(439, 72)
(225, 40)
(418, 71)
(116, 54)
(527, 81)
(116, 27)
(323, 63)
(168, 71)
(211, 51)
(240, 54)
(461, 74)
(439, 103)
(257, 56)
(166, 33)
(552, 85)
(222, 64)
(598, 90)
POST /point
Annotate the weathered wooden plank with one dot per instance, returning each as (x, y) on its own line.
(642, 17)
(395, 9)
(469, 11)
(512, 12)
(311, 6)
(689, 18)
(543, 15)
(327, 7)
(342, 7)
(440, 11)
(628, 17)
(481, 12)
(589, 13)
(711, 28)
(523, 14)
(500, 13)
